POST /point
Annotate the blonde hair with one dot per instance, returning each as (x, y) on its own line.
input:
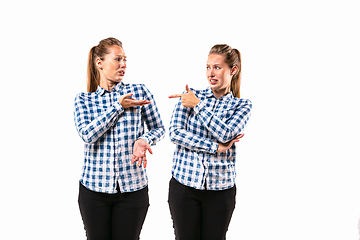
(99, 51)
(232, 58)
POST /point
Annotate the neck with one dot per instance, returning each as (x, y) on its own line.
(107, 84)
(220, 92)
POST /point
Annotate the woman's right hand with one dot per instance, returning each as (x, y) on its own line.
(223, 147)
(126, 101)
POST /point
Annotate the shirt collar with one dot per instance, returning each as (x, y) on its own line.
(101, 91)
(209, 94)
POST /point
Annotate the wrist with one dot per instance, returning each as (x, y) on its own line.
(197, 102)
(199, 106)
(145, 140)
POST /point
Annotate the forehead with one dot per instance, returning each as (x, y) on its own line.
(215, 58)
(116, 51)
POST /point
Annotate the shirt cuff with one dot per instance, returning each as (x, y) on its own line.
(214, 148)
(118, 107)
(199, 107)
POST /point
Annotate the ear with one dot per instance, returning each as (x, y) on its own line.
(98, 63)
(234, 70)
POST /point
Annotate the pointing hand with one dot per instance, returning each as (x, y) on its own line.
(188, 99)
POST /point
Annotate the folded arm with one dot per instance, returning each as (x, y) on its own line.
(181, 136)
(229, 128)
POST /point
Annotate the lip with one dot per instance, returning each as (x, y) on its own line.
(213, 81)
(121, 73)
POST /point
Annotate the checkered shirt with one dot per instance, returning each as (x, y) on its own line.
(109, 132)
(197, 132)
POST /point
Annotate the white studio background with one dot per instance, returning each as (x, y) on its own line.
(298, 164)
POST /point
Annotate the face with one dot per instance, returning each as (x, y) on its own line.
(219, 74)
(113, 66)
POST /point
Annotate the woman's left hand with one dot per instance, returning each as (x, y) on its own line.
(223, 147)
(139, 152)
(188, 99)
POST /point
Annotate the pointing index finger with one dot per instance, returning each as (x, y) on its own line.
(175, 96)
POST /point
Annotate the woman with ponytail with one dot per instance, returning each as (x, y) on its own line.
(113, 192)
(204, 127)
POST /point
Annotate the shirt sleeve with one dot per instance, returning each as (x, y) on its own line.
(90, 130)
(152, 119)
(225, 130)
(181, 136)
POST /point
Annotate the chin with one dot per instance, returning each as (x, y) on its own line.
(116, 81)
(213, 87)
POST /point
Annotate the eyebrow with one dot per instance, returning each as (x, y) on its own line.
(121, 56)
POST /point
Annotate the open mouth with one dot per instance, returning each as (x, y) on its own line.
(122, 73)
(213, 81)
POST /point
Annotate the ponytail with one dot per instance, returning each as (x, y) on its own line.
(232, 58)
(99, 51)
(93, 75)
(236, 80)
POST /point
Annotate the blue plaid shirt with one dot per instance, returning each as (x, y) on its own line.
(196, 133)
(109, 132)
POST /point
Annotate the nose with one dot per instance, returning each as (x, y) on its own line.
(210, 72)
(123, 64)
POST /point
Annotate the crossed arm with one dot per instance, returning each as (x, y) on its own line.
(190, 100)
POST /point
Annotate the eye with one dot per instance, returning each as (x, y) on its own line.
(207, 67)
(217, 67)
(119, 59)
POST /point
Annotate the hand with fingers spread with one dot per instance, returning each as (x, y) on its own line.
(139, 152)
(223, 147)
(126, 101)
(188, 99)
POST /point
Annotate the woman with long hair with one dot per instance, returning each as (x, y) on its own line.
(205, 124)
(111, 119)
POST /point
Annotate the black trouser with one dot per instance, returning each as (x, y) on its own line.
(200, 214)
(113, 216)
